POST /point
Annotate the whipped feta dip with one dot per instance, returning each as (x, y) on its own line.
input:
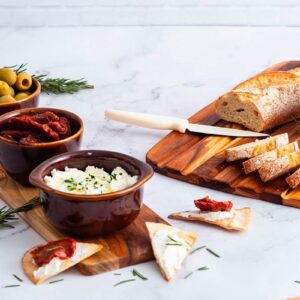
(171, 255)
(91, 181)
(52, 267)
(211, 216)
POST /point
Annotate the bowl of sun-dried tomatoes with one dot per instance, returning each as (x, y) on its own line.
(30, 136)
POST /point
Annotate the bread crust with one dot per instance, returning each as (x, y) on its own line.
(240, 221)
(279, 166)
(255, 148)
(189, 238)
(294, 180)
(29, 266)
(255, 163)
(263, 101)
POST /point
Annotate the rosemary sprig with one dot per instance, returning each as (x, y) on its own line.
(197, 249)
(212, 252)
(17, 277)
(188, 275)
(55, 85)
(202, 269)
(199, 269)
(137, 273)
(8, 214)
(62, 85)
(55, 281)
(11, 285)
(124, 281)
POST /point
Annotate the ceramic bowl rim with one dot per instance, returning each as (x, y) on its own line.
(146, 172)
(17, 112)
(36, 93)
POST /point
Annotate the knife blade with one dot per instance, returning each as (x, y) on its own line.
(172, 123)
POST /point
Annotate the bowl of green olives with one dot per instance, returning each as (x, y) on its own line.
(17, 90)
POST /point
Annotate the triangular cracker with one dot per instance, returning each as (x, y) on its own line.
(187, 237)
(240, 220)
(29, 267)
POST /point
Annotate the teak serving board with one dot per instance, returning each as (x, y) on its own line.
(199, 159)
(127, 247)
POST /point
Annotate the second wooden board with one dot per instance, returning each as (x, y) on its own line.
(200, 159)
(127, 247)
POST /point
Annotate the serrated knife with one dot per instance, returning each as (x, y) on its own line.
(172, 123)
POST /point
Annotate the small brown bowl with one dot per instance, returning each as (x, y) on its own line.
(19, 160)
(91, 215)
(31, 101)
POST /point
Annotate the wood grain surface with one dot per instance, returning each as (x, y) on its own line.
(127, 247)
(200, 159)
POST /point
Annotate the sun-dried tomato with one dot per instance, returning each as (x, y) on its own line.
(207, 204)
(62, 249)
(36, 128)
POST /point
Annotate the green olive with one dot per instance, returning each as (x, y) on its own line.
(21, 96)
(7, 99)
(11, 91)
(24, 82)
(8, 75)
(4, 88)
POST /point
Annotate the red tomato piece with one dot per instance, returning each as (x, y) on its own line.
(207, 204)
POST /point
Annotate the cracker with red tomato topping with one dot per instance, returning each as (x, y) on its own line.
(38, 272)
(217, 213)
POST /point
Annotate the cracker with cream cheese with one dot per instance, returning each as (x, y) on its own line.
(84, 250)
(170, 247)
(239, 221)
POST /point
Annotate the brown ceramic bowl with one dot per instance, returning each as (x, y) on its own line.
(91, 215)
(31, 101)
(19, 160)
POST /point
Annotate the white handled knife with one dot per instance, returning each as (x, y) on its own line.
(170, 123)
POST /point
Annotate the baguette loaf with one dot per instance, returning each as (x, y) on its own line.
(279, 166)
(294, 179)
(254, 163)
(258, 147)
(264, 101)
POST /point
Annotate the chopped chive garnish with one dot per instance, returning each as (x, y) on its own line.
(12, 285)
(212, 252)
(17, 277)
(55, 281)
(202, 269)
(173, 242)
(124, 281)
(197, 249)
(137, 273)
(188, 275)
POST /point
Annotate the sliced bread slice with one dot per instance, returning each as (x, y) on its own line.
(294, 179)
(38, 274)
(254, 163)
(170, 247)
(258, 147)
(279, 166)
(240, 220)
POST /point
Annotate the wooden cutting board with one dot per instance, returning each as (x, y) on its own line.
(127, 247)
(199, 159)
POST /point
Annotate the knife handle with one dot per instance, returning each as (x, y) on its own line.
(148, 121)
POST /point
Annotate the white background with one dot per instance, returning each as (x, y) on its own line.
(172, 70)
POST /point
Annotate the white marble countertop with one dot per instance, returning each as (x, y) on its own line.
(173, 71)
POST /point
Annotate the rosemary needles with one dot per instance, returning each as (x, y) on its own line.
(9, 214)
